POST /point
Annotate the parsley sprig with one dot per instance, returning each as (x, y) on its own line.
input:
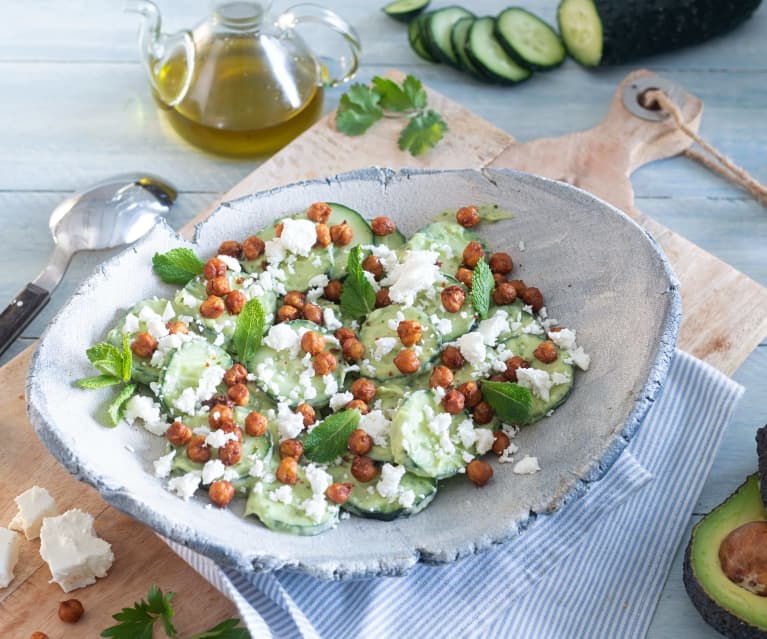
(139, 621)
(362, 106)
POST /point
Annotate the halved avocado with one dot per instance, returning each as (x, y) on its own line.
(761, 451)
(732, 609)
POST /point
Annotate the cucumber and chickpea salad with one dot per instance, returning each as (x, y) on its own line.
(327, 364)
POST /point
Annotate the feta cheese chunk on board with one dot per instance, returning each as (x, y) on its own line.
(34, 504)
(10, 546)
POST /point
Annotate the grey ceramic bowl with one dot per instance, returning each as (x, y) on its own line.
(599, 271)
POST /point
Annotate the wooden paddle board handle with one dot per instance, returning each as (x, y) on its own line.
(601, 160)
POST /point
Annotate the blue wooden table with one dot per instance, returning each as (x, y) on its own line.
(75, 107)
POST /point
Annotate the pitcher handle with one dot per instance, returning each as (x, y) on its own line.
(307, 13)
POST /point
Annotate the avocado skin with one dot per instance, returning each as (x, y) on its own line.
(761, 451)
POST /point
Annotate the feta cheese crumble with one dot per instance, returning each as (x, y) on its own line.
(185, 485)
(472, 347)
(34, 504)
(289, 424)
(163, 465)
(145, 409)
(526, 466)
(565, 338)
(537, 381)
(388, 485)
(417, 272)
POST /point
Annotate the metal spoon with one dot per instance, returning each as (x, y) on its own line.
(112, 213)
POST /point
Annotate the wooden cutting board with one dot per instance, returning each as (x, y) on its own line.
(599, 160)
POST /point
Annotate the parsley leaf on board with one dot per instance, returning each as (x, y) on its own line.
(511, 402)
(177, 266)
(415, 92)
(422, 133)
(249, 330)
(358, 297)
(137, 622)
(330, 438)
(358, 110)
(115, 409)
(97, 381)
(229, 629)
(482, 285)
(393, 97)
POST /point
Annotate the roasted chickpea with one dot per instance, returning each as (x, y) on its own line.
(278, 229)
(255, 424)
(465, 276)
(341, 234)
(219, 415)
(295, 298)
(237, 374)
(533, 297)
(342, 334)
(308, 413)
(467, 216)
(452, 358)
(353, 349)
(339, 493)
(71, 610)
(501, 263)
(319, 212)
(359, 405)
(253, 248)
(453, 298)
(479, 472)
(230, 248)
(497, 377)
(504, 293)
(373, 265)
(218, 286)
(323, 236)
(383, 226)
(501, 442)
(239, 394)
(214, 267)
(144, 345)
(312, 342)
(483, 413)
(382, 297)
(333, 290)
(178, 434)
(498, 278)
(212, 307)
(218, 398)
(221, 492)
(231, 427)
(512, 365)
(409, 332)
(441, 376)
(472, 254)
(287, 471)
(177, 328)
(38, 635)
(197, 450)
(287, 313)
(519, 286)
(235, 301)
(471, 394)
(364, 469)
(313, 313)
(291, 448)
(324, 363)
(453, 402)
(407, 361)
(546, 352)
(363, 389)
(360, 442)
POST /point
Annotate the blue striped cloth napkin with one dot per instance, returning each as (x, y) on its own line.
(593, 569)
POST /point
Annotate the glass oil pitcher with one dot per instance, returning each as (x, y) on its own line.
(242, 83)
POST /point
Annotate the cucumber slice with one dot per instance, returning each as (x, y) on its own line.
(405, 10)
(458, 36)
(366, 501)
(519, 320)
(438, 26)
(449, 325)
(417, 39)
(416, 446)
(289, 377)
(361, 234)
(381, 365)
(289, 517)
(186, 368)
(393, 240)
(529, 40)
(448, 239)
(581, 30)
(524, 346)
(488, 55)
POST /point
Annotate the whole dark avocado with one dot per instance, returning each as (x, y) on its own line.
(761, 451)
(725, 565)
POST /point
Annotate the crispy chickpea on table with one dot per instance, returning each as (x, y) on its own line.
(479, 472)
(71, 610)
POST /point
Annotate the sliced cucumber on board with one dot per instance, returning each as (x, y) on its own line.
(438, 27)
(417, 38)
(601, 32)
(405, 10)
(487, 54)
(529, 40)
(458, 37)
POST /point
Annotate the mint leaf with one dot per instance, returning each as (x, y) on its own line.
(127, 363)
(358, 110)
(482, 284)
(393, 97)
(511, 402)
(422, 133)
(330, 438)
(137, 622)
(228, 629)
(358, 297)
(415, 92)
(249, 330)
(99, 381)
(115, 409)
(177, 266)
(107, 358)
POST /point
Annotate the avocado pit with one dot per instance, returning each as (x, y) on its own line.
(743, 557)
